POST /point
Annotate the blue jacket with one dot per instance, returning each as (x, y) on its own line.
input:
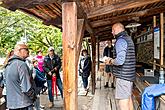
(39, 78)
(149, 94)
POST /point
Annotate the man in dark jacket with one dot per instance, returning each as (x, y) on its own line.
(51, 66)
(108, 52)
(19, 87)
(123, 66)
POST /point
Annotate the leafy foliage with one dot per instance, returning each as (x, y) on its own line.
(16, 25)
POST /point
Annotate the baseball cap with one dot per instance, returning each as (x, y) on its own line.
(50, 48)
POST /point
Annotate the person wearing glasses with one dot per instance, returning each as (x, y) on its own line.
(19, 84)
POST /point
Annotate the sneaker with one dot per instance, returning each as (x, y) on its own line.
(106, 86)
(42, 107)
(86, 89)
(50, 104)
(44, 90)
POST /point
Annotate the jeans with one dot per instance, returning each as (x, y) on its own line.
(85, 81)
(59, 85)
(37, 103)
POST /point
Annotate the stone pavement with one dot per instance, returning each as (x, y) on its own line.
(85, 99)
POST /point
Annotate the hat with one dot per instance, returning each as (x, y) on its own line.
(50, 48)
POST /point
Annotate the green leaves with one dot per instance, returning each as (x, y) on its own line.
(15, 25)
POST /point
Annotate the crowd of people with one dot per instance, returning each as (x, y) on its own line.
(24, 81)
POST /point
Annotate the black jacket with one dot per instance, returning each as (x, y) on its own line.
(87, 66)
(49, 65)
(108, 51)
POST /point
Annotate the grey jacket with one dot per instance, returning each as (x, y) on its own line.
(20, 92)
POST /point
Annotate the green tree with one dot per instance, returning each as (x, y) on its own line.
(17, 25)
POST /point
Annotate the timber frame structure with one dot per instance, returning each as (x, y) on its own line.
(85, 18)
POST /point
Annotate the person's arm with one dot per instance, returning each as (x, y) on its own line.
(34, 73)
(26, 81)
(121, 49)
(59, 63)
(87, 64)
(45, 66)
(105, 52)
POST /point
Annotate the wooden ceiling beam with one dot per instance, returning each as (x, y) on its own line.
(54, 21)
(15, 4)
(82, 15)
(119, 6)
(108, 32)
(127, 17)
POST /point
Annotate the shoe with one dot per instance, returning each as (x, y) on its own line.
(43, 90)
(112, 85)
(42, 107)
(86, 89)
(106, 86)
(50, 104)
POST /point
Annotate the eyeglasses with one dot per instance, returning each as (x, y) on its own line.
(24, 49)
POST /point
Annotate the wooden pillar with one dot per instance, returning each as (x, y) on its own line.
(98, 53)
(69, 36)
(93, 41)
(154, 25)
(161, 38)
(80, 34)
(161, 78)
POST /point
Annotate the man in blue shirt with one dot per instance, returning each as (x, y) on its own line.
(123, 63)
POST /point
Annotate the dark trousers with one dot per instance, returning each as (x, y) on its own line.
(85, 81)
(59, 85)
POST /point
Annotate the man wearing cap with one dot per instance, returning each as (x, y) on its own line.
(51, 66)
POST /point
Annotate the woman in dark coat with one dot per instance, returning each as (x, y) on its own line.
(85, 68)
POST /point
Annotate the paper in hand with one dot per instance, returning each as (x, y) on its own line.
(104, 59)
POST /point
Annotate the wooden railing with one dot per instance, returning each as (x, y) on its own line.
(162, 66)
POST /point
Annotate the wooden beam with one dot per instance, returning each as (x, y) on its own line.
(119, 6)
(82, 14)
(161, 38)
(54, 21)
(93, 43)
(109, 33)
(80, 35)
(69, 24)
(33, 13)
(15, 4)
(127, 17)
(98, 54)
(161, 77)
(154, 25)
